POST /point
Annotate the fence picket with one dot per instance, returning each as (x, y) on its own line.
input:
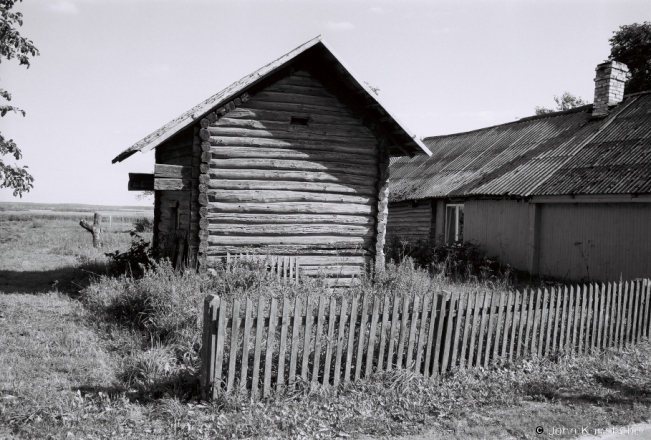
(629, 317)
(508, 323)
(282, 348)
(594, 336)
(612, 292)
(439, 336)
(637, 324)
(317, 340)
(470, 304)
(341, 334)
(588, 317)
(448, 332)
(457, 329)
(412, 332)
(330, 340)
(602, 316)
(543, 318)
(383, 332)
(422, 334)
(550, 317)
(577, 314)
(351, 340)
(530, 322)
(219, 349)
(562, 338)
(362, 334)
(370, 351)
(257, 350)
(498, 328)
(625, 322)
(489, 332)
(268, 355)
(296, 328)
(235, 327)
(556, 293)
(244, 374)
(517, 300)
(582, 324)
(475, 319)
(403, 330)
(307, 338)
(647, 291)
(482, 328)
(392, 333)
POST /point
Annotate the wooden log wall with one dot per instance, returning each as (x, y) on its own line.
(178, 150)
(293, 172)
(411, 221)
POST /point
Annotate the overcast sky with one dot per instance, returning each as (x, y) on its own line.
(112, 71)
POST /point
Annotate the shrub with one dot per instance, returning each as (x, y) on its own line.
(143, 224)
(133, 261)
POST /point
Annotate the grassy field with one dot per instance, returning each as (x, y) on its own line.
(85, 355)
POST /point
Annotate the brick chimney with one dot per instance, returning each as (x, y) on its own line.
(609, 86)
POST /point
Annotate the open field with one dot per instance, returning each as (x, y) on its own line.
(95, 357)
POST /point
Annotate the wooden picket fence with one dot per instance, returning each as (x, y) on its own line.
(285, 268)
(330, 340)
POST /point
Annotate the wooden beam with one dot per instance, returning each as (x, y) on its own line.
(141, 182)
(172, 184)
(172, 171)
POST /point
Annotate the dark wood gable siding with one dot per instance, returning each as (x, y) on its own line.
(294, 189)
(411, 221)
(183, 150)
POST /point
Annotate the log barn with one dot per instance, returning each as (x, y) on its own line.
(291, 160)
(564, 194)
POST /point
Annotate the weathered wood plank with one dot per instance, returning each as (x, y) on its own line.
(524, 316)
(210, 132)
(293, 208)
(516, 316)
(645, 322)
(296, 328)
(297, 99)
(317, 341)
(257, 351)
(294, 165)
(550, 318)
(228, 152)
(271, 336)
(245, 113)
(281, 127)
(629, 312)
(594, 337)
(412, 332)
(537, 311)
(307, 337)
(291, 229)
(370, 348)
(470, 306)
(482, 328)
(297, 107)
(556, 294)
(403, 330)
(277, 175)
(618, 292)
(478, 303)
(491, 326)
(235, 327)
(282, 347)
(351, 339)
(274, 185)
(383, 333)
(436, 361)
(508, 322)
(362, 336)
(232, 218)
(422, 334)
(331, 342)
(454, 303)
(274, 196)
(392, 333)
(334, 240)
(244, 375)
(565, 324)
(610, 307)
(219, 349)
(341, 336)
(172, 184)
(637, 324)
(172, 171)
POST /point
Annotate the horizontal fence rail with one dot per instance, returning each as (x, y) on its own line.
(268, 344)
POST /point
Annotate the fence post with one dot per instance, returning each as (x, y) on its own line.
(209, 344)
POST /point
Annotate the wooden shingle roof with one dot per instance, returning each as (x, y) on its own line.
(404, 141)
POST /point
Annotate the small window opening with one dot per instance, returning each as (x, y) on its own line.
(298, 120)
(453, 223)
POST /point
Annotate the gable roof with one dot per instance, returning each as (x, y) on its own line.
(563, 153)
(405, 140)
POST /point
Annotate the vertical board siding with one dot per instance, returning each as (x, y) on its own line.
(331, 340)
(598, 241)
(410, 221)
(501, 227)
(308, 190)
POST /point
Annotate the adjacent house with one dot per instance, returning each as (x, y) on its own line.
(565, 194)
(291, 160)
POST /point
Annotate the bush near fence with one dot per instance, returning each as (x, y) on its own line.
(267, 344)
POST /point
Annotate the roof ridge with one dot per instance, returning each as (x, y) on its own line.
(525, 119)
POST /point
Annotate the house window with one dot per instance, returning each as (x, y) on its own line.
(453, 223)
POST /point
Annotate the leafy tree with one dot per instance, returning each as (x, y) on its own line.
(564, 102)
(631, 45)
(13, 45)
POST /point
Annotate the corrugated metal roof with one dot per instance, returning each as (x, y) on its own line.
(556, 154)
(412, 144)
